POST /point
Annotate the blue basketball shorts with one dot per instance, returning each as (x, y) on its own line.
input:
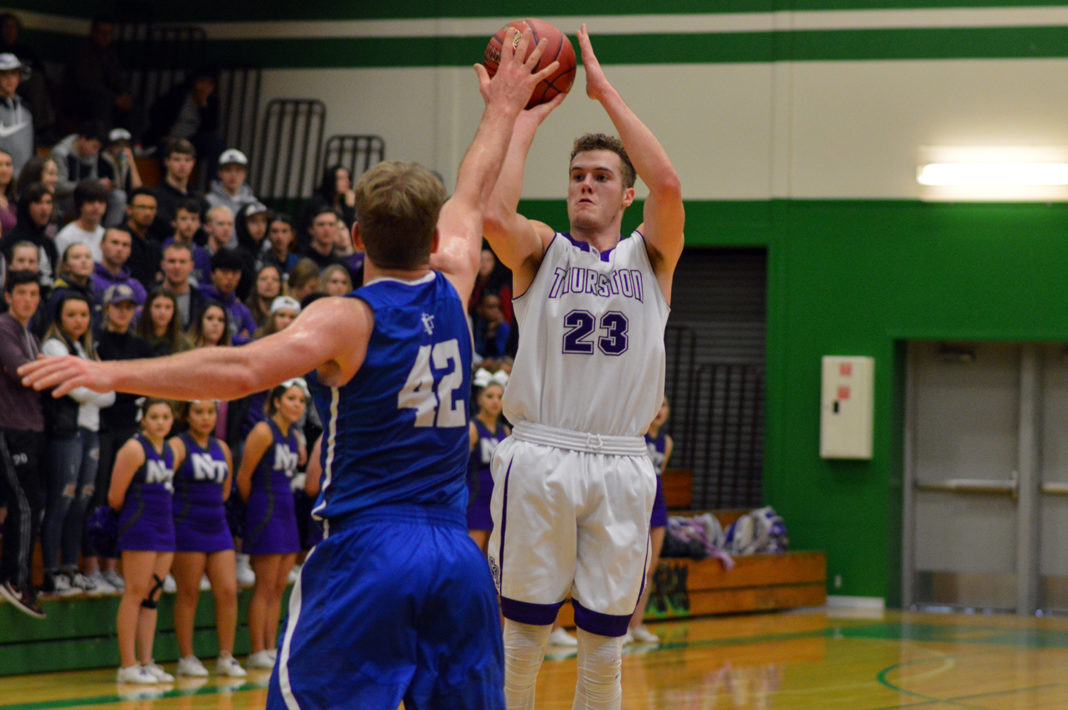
(396, 605)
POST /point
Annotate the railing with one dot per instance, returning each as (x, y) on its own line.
(356, 153)
(286, 156)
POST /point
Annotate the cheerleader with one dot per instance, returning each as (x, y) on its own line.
(203, 466)
(486, 430)
(141, 490)
(272, 452)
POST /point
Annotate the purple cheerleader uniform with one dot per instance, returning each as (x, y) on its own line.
(657, 448)
(146, 520)
(270, 513)
(479, 479)
(199, 512)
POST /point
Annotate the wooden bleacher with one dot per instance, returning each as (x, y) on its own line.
(687, 587)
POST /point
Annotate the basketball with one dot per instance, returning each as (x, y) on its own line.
(558, 49)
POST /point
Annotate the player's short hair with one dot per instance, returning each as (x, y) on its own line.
(600, 141)
(397, 204)
(187, 248)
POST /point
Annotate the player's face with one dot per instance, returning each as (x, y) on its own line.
(202, 417)
(9, 82)
(161, 313)
(291, 404)
(79, 261)
(489, 401)
(595, 192)
(74, 318)
(157, 421)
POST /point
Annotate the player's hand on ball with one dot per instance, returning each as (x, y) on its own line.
(515, 78)
(596, 82)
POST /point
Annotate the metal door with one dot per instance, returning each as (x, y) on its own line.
(970, 461)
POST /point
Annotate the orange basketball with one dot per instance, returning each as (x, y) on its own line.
(558, 49)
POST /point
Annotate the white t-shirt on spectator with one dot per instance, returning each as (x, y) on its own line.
(72, 234)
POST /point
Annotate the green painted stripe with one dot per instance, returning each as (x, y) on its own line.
(192, 11)
(666, 48)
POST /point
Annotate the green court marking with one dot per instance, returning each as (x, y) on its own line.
(146, 694)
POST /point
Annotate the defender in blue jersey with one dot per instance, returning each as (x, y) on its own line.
(397, 602)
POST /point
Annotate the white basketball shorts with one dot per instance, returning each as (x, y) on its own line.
(571, 518)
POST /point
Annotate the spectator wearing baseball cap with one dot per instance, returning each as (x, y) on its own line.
(118, 154)
(16, 138)
(231, 189)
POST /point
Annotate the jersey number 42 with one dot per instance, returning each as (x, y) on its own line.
(435, 403)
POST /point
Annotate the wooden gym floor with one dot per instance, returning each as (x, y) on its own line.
(831, 660)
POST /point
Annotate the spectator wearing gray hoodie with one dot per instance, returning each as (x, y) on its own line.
(16, 121)
(231, 189)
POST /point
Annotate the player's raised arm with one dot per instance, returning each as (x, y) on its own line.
(460, 222)
(664, 217)
(517, 241)
(331, 334)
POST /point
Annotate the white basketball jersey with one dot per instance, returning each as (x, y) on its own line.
(591, 345)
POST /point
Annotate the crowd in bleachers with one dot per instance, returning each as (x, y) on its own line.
(98, 263)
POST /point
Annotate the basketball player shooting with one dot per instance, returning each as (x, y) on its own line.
(574, 482)
(397, 601)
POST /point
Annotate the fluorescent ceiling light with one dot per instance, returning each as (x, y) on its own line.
(1028, 173)
(1017, 174)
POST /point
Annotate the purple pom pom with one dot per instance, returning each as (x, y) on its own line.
(103, 530)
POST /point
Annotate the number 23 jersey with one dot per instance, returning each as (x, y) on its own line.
(397, 433)
(591, 348)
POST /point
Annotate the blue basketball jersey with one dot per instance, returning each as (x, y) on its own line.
(397, 433)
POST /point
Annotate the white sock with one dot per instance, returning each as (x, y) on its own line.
(599, 664)
(524, 650)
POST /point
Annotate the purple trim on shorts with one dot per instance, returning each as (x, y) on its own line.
(658, 519)
(534, 614)
(598, 623)
(499, 572)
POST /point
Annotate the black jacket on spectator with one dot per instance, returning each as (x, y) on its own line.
(27, 231)
(166, 108)
(121, 346)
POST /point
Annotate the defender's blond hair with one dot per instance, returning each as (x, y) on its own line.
(397, 206)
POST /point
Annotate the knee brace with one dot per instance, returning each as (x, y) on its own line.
(153, 594)
(524, 649)
(599, 664)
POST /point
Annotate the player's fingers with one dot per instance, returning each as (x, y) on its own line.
(546, 72)
(535, 55)
(510, 45)
(482, 74)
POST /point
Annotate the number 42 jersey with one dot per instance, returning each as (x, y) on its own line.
(591, 346)
(396, 433)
